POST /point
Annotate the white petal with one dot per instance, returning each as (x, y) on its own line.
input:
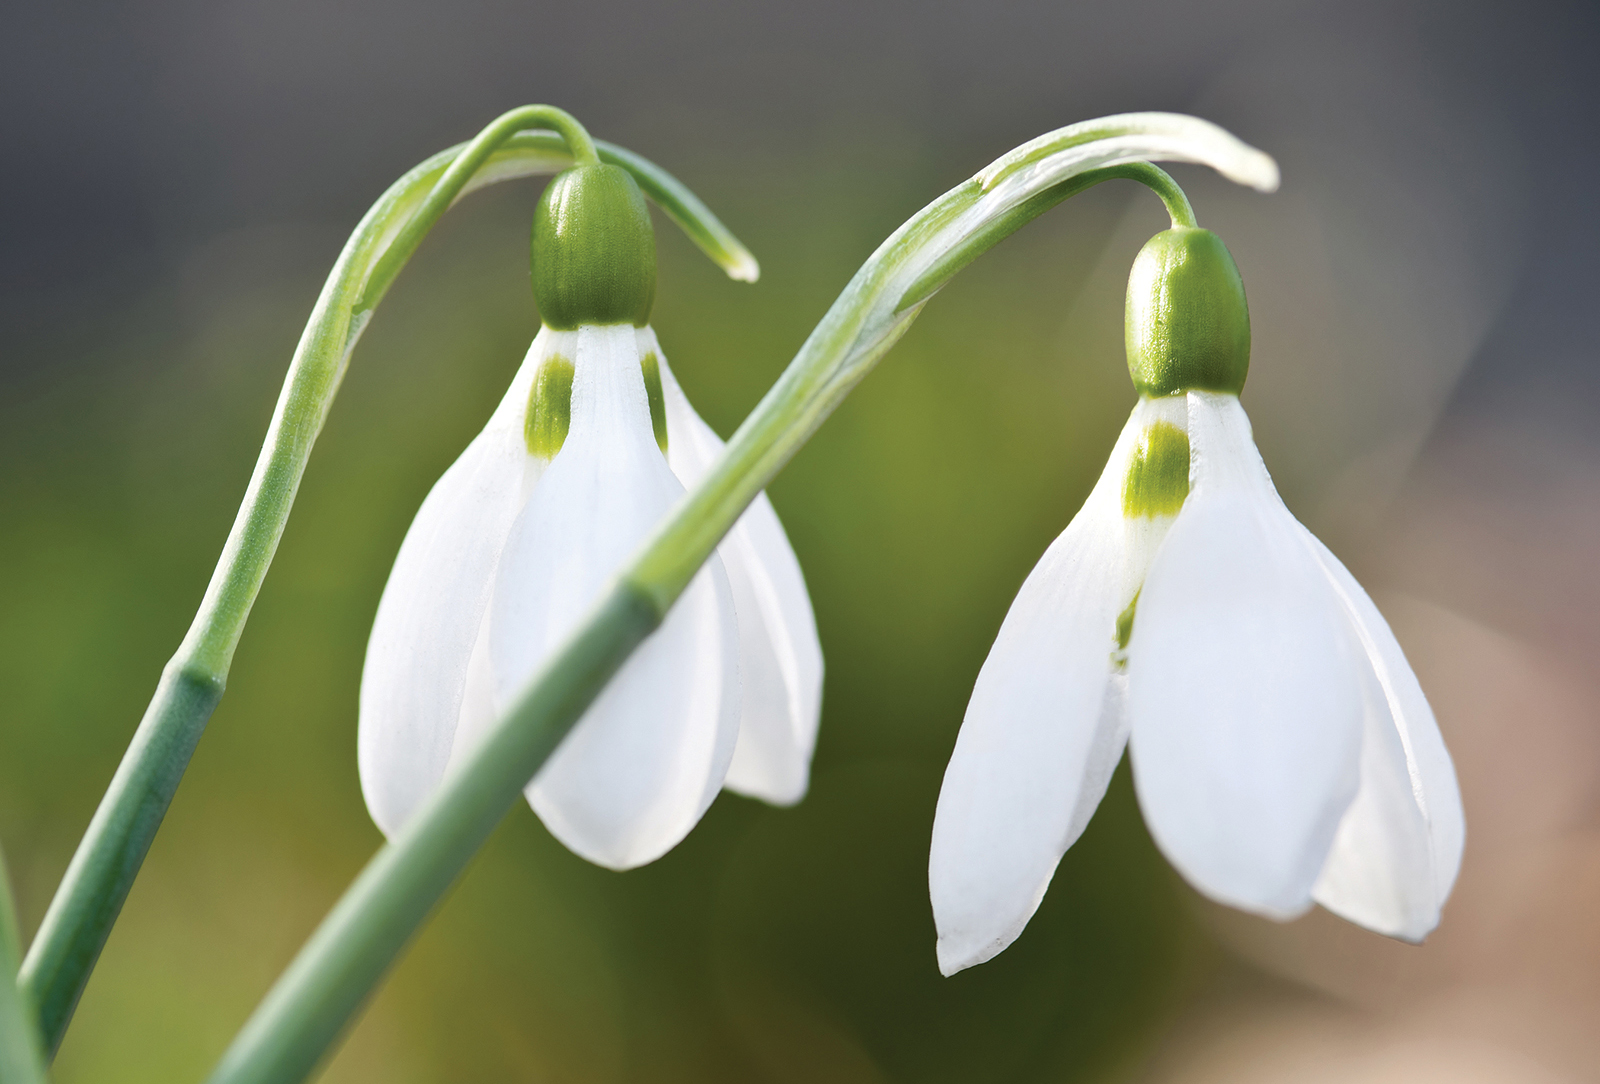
(648, 758)
(649, 755)
(428, 620)
(1399, 847)
(1379, 873)
(780, 657)
(1245, 684)
(1044, 729)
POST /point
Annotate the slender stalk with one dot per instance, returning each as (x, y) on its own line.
(305, 1012)
(107, 860)
(314, 1000)
(1152, 177)
(21, 1060)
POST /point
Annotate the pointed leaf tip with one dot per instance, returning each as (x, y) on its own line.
(742, 267)
(1256, 169)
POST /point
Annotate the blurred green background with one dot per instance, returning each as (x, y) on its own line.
(791, 942)
(148, 319)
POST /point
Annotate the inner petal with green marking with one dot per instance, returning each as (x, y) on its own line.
(1158, 474)
(549, 407)
(651, 366)
(1125, 626)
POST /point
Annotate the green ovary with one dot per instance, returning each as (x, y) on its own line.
(594, 251)
(1187, 321)
(1158, 476)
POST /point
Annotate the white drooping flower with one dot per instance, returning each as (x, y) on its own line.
(1283, 752)
(590, 448)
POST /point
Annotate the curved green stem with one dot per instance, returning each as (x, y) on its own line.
(1161, 183)
(21, 1060)
(314, 1000)
(108, 858)
(1153, 177)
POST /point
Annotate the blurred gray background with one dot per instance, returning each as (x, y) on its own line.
(178, 178)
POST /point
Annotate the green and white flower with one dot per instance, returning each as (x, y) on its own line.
(1282, 749)
(590, 448)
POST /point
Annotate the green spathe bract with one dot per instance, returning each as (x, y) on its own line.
(1187, 323)
(594, 251)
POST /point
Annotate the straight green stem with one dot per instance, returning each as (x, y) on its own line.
(108, 858)
(21, 1059)
(361, 937)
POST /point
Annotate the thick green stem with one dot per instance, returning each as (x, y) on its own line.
(335, 972)
(21, 1059)
(305, 1012)
(107, 860)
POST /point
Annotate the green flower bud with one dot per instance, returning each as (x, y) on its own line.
(594, 251)
(1187, 324)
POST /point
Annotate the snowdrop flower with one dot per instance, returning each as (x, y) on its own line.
(593, 443)
(1283, 752)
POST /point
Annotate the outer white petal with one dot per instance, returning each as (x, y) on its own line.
(1398, 849)
(432, 608)
(1245, 684)
(780, 657)
(650, 754)
(1044, 729)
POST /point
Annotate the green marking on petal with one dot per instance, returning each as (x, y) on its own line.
(549, 407)
(650, 365)
(1158, 476)
(1125, 622)
(1125, 626)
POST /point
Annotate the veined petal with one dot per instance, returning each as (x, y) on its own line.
(1245, 684)
(780, 657)
(1045, 726)
(414, 680)
(649, 755)
(1398, 849)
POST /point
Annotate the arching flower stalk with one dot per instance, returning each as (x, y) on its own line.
(1282, 749)
(591, 446)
